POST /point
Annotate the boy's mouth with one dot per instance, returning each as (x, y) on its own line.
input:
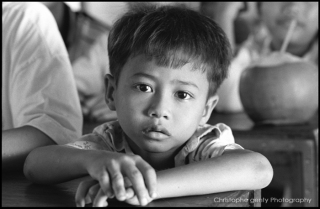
(156, 132)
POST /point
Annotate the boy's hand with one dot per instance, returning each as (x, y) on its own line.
(113, 170)
(89, 191)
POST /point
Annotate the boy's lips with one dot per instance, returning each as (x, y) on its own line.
(156, 132)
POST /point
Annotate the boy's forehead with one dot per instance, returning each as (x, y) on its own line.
(148, 61)
(141, 66)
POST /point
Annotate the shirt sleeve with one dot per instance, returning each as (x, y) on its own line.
(102, 138)
(214, 143)
(42, 88)
(91, 142)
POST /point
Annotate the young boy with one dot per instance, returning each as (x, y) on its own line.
(275, 18)
(166, 64)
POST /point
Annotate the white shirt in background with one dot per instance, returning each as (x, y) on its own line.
(38, 87)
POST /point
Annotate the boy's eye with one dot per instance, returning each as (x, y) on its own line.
(144, 88)
(183, 95)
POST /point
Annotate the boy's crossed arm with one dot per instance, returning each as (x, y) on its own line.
(131, 179)
(108, 168)
(235, 170)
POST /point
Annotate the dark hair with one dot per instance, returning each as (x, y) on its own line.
(173, 36)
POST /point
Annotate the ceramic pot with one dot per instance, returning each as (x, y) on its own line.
(283, 94)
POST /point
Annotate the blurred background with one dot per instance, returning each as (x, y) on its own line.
(108, 12)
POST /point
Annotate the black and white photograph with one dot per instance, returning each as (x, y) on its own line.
(160, 104)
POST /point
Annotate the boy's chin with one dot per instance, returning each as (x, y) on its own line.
(158, 149)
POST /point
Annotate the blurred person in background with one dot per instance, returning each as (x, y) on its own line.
(86, 39)
(233, 17)
(267, 37)
(40, 105)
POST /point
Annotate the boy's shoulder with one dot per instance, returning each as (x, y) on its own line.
(111, 133)
(108, 129)
(219, 131)
(208, 141)
(110, 125)
(209, 134)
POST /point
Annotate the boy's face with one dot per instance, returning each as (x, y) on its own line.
(278, 16)
(159, 108)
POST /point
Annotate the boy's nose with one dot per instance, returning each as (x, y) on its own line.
(159, 108)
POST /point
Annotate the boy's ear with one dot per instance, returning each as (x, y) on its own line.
(211, 103)
(110, 87)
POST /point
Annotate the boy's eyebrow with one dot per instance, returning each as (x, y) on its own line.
(143, 75)
(187, 83)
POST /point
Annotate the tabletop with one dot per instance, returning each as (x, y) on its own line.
(17, 191)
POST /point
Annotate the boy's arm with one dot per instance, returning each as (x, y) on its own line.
(18, 142)
(60, 163)
(234, 170)
(44, 164)
(55, 164)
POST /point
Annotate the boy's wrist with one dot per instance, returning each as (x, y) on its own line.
(85, 160)
(161, 185)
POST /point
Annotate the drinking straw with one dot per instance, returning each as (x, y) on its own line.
(288, 35)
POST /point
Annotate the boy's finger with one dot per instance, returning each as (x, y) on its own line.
(133, 201)
(105, 184)
(138, 184)
(127, 182)
(88, 200)
(100, 200)
(128, 186)
(150, 178)
(129, 193)
(92, 193)
(117, 183)
(82, 191)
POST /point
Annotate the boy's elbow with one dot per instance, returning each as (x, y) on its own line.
(27, 168)
(263, 171)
